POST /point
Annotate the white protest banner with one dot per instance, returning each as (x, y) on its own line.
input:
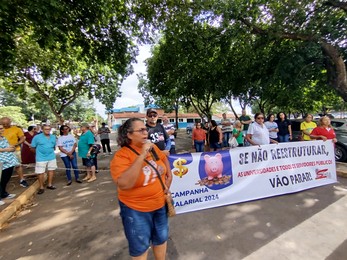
(207, 180)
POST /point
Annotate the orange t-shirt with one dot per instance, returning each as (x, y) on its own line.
(199, 134)
(147, 194)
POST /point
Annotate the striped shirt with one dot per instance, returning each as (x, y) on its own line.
(8, 159)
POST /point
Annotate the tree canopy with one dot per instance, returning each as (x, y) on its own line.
(275, 54)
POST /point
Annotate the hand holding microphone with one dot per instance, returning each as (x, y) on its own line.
(151, 150)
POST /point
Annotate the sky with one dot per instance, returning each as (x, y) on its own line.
(130, 94)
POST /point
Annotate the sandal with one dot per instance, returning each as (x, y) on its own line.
(91, 179)
(51, 187)
(41, 191)
(86, 178)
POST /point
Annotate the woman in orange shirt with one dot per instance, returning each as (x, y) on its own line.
(140, 193)
(199, 138)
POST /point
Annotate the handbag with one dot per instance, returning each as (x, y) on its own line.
(168, 197)
(233, 142)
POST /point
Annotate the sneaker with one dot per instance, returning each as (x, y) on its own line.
(110, 153)
(2, 203)
(68, 183)
(78, 181)
(10, 196)
(24, 183)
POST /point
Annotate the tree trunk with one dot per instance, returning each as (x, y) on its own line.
(336, 69)
(176, 113)
(230, 103)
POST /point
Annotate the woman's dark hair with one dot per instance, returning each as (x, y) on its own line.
(31, 127)
(258, 114)
(268, 116)
(62, 128)
(278, 116)
(213, 123)
(124, 129)
(308, 114)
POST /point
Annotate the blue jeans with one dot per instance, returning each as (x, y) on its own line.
(199, 146)
(226, 137)
(283, 138)
(143, 228)
(71, 163)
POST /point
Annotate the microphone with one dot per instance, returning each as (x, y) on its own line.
(153, 153)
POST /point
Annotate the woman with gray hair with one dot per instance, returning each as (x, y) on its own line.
(135, 169)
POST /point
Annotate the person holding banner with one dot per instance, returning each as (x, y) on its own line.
(324, 131)
(140, 193)
(257, 133)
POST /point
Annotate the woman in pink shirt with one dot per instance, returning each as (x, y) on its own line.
(199, 138)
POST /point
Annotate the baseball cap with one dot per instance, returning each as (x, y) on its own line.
(84, 124)
(151, 111)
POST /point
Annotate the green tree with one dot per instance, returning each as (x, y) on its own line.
(16, 115)
(322, 23)
(59, 77)
(188, 67)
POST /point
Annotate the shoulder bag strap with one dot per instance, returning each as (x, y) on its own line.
(155, 169)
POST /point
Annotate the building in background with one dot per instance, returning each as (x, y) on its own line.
(119, 116)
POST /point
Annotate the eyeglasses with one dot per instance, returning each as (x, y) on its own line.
(66, 128)
(142, 131)
(260, 117)
(153, 115)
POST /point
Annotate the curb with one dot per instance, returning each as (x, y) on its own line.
(341, 173)
(12, 208)
(341, 169)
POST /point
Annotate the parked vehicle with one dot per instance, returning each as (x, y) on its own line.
(189, 128)
(340, 128)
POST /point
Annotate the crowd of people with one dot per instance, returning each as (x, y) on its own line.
(37, 146)
(245, 131)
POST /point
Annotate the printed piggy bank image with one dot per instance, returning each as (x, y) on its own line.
(213, 166)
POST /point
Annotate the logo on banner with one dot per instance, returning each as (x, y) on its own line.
(215, 170)
(179, 164)
(322, 174)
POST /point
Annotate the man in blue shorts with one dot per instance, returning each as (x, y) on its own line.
(44, 146)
